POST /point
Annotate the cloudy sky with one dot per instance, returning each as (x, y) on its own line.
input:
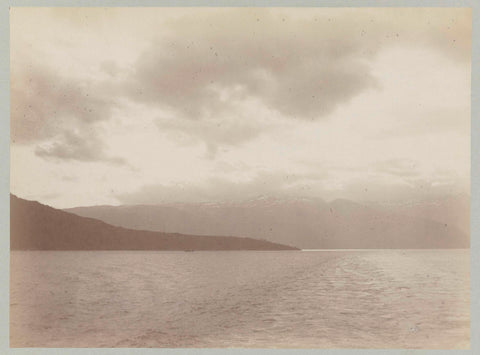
(151, 105)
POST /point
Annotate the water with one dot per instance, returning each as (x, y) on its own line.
(309, 299)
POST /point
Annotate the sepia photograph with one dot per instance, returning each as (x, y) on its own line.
(240, 177)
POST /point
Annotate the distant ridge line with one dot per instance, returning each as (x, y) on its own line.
(34, 226)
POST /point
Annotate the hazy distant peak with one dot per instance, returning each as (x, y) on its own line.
(305, 223)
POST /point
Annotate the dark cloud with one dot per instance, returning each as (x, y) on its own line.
(299, 68)
(58, 114)
(72, 146)
(302, 67)
(203, 66)
(223, 130)
(208, 71)
(44, 102)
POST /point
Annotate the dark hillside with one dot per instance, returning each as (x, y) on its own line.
(34, 226)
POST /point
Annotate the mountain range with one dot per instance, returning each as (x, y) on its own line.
(34, 226)
(304, 223)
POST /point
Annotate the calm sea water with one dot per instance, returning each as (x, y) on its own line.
(302, 299)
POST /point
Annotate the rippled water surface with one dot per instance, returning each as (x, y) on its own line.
(306, 299)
